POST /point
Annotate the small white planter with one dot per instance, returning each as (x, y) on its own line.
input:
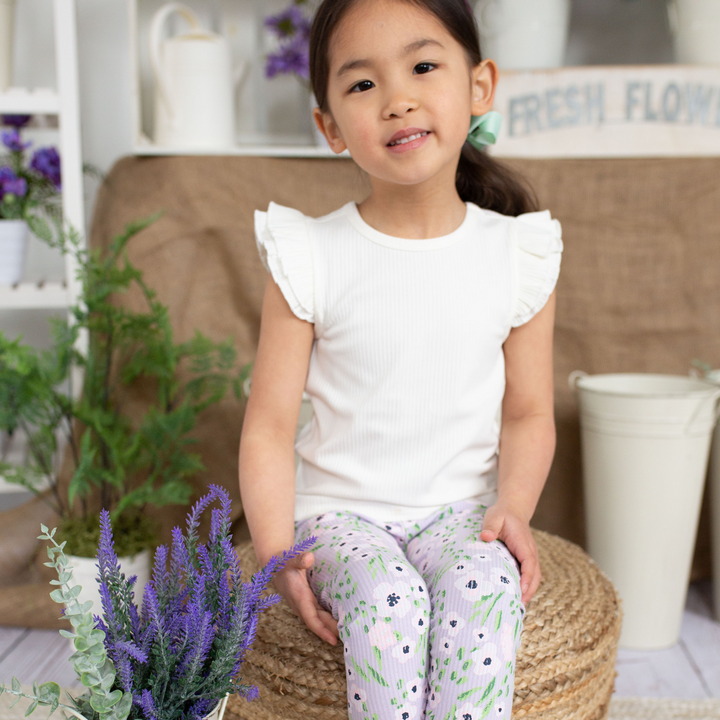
(695, 25)
(85, 573)
(219, 712)
(521, 34)
(7, 33)
(13, 247)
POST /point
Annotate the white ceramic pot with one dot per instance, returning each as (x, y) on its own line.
(85, 573)
(645, 446)
(521, 34)
(13, 248)
(219, 712)
(695, 26)
(7, 36)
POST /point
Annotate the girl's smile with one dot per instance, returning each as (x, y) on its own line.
(409, 139)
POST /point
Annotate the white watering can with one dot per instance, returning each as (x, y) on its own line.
(195, 85)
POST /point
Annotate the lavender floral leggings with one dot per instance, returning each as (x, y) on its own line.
(430, 615)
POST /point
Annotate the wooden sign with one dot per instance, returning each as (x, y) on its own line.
(603, 111)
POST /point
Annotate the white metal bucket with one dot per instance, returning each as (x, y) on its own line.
(645, 446)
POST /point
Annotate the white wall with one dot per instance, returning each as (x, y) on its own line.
(601, 32)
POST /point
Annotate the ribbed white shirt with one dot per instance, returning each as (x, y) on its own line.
(407, 371)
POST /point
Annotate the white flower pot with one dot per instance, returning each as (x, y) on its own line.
(7, 33)
(13, 244)
(85, 573)
(695, 25)
(520, 34)
(219, 712)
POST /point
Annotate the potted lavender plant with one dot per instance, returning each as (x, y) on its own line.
(178, 656)
(25, 189)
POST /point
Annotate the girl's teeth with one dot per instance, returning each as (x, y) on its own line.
(408, 139)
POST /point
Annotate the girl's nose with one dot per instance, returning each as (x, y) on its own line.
(399, 104)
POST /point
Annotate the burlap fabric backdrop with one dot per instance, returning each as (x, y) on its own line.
(639, 289)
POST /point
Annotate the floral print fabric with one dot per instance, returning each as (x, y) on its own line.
(430, 616)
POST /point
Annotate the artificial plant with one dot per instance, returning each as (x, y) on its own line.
(118, 464)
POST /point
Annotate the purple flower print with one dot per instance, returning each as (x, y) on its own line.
(486, 660)
(420, 621)
(469, 712)
(382, 636)
(462, 566)
(46, 161)
(453, 623)
(11, 140)
(16, 121)
(357, 697)
(499, 577)
(405, 712)
(404, 650)
(392, 599)
(473, 586)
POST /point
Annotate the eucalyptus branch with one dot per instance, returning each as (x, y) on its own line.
(90, 661)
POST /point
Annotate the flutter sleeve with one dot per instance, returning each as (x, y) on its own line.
(283, 241)
(538, 249)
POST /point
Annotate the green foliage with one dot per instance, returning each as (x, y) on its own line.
(119, 464)
(90, 661)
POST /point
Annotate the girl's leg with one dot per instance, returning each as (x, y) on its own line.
(476, 618)
(381, 604)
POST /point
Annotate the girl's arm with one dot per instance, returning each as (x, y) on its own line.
(267, 457)
(527, 441)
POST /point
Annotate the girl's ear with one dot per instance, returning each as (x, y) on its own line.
(328, 127)
(484, 81)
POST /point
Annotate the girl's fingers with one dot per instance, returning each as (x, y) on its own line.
(308, 610)
(329, 621)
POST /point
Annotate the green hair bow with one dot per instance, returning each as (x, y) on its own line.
(484, 129)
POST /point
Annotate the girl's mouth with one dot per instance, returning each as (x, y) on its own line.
(408, 142)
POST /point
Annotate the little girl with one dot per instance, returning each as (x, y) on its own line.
(411, 319)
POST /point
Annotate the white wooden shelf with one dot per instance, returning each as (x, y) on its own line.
(23, 101)
(32, 296)
(288, 151)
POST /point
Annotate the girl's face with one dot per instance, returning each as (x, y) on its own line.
(401, 92)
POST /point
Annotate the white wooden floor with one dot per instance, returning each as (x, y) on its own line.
(691, 669)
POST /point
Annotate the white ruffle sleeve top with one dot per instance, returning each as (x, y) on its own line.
(407, 371)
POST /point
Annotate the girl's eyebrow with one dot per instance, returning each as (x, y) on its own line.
(365, 63)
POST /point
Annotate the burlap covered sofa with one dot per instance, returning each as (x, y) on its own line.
(639, 288)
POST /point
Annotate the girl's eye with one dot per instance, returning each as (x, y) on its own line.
(362, 86)
(422, 68)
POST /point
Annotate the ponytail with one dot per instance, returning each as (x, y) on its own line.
(492, 185)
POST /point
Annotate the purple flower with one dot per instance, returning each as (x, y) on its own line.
(16, 121)
(46, 161)
(289, 24)
(11, 140)
(293, 57)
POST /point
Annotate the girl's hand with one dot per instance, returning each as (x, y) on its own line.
(501, 524)
(291, 582)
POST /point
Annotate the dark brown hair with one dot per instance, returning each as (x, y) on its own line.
(480, 178)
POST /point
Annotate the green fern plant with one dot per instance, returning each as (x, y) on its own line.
(118, 465)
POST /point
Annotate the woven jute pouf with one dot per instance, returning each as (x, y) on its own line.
(565, 668)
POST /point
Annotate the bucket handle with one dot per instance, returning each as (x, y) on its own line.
(573, 378)
(716, 413)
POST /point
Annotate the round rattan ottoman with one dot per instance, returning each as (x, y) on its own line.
(565, 668)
